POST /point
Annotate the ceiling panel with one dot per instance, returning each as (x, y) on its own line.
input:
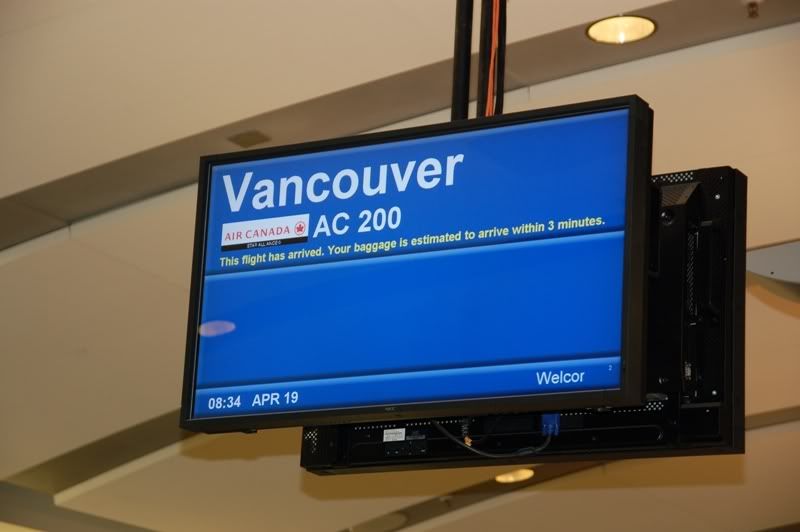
(156, 235)
(716, 493)
(772, 345)
(19, 15)
(143, 252)
(91, 345)
(244, 482)
(116, 78)
(730, 102)
(94, 323)
(248, 482)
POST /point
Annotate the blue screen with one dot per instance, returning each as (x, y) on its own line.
(471, 265)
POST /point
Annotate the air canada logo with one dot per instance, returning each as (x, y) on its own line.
(266, 232)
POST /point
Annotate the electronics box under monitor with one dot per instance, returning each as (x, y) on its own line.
(481, 266)
(694, 401)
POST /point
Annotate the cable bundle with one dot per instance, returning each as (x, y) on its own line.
(491, 59)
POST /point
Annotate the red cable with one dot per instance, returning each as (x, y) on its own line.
(490, 97)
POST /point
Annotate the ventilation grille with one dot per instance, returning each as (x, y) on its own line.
(311, 440)
(410, 424)
(652, 406)
(691, 253)
(680, 177)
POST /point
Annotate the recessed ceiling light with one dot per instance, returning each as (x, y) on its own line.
(621, 30)
(514, 476)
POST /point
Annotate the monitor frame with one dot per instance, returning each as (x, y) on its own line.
(635, 264)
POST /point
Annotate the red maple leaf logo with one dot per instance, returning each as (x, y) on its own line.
(299, 228)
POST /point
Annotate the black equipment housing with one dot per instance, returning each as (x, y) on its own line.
(694, 361)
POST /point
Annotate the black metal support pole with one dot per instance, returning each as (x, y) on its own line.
(483, 55)
(462, 54)
(500, 86)
(461, 58)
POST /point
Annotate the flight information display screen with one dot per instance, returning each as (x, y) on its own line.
(441, 267)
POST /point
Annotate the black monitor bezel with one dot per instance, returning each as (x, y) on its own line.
(634, 280)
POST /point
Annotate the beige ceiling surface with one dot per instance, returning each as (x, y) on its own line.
(242, 485)
(155, 236)
(718, 493)
(89, 82)
(243, 482)
(91, 345)
(96, 321)
(92, 319)
(731, 102)
(8, 527)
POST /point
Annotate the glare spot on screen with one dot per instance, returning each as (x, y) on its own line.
(216, 328)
